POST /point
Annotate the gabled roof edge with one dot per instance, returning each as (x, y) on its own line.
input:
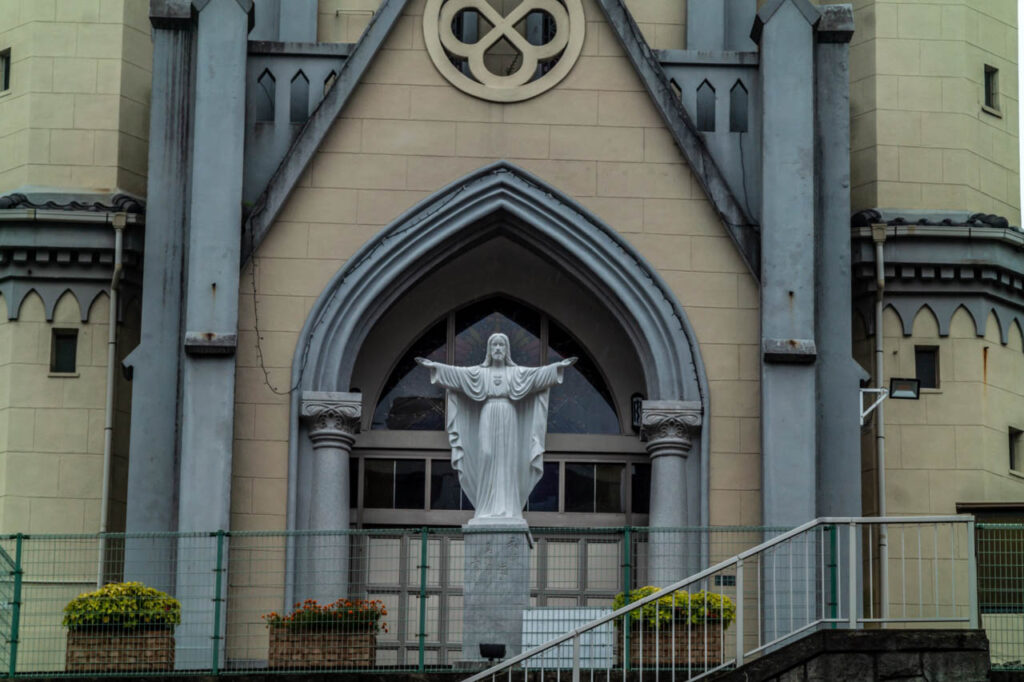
(744, 232)
(811, 13)
(270, 202)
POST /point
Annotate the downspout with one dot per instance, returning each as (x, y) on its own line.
(119, 222)
(878, 236)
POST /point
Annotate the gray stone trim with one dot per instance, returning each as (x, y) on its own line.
(332, 418)
(294, 49)
(796, 351)
(943, 268)
(704, 58)
(744, 232)
(52, 251)
(272, 199)
(811, 13)
(836, 24)
(169, 14)
(669, 426)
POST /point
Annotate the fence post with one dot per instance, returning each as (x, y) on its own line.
(627, 544)
(972, 576)
(739, 612)
(217, 600)
(423, 598)
(854, 599)
(16, 606)
(832, 565)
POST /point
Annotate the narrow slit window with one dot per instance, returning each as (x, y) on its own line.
(706, 107)
(266, 96)
(63, 350)
(299, 109)
(1016, 450)
(5, 69)
(329, 81)
(926, 362)
(738, 108)
(992, 87)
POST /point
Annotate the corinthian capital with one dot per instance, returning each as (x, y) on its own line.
(332, 418)
(669, 426)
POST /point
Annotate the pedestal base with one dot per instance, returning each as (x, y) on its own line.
(496, 587)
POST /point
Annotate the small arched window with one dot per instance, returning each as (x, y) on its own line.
(581, 404)
(706, 107)
(266, 100)
(738, 108)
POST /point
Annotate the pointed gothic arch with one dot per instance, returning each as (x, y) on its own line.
(499, 200)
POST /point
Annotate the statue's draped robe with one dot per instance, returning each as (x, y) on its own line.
(497, 418)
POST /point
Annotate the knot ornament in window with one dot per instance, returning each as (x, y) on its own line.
(524, 69)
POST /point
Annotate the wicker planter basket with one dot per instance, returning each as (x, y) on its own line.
(103, 650)
(664, 650)
(301, 648)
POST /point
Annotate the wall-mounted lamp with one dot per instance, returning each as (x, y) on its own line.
(899, 389)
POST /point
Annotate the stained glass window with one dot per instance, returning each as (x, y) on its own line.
(581, 404)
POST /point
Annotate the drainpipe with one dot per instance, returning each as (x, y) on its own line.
(878, 236)
(119, 222)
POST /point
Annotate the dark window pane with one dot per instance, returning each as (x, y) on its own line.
(579, 487)
(608, 491)
(926, 361)
(444, 485)
(641, 483)
(353, 482)
(410, 477)
(582, 403)
(475, 323)
(545, 495)
(379, 483)
(738, 108)
(410, 401)
(64, 349)
(706, 107)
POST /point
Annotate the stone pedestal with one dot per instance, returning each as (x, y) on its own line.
(496, 586)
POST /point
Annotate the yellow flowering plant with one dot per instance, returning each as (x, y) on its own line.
(681, 606)
(342, 615)
(127, 606)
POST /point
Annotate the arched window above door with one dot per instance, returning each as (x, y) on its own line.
(581, 404)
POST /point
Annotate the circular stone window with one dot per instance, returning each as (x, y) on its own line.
(501, 51)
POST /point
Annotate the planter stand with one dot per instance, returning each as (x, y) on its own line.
(102, 650)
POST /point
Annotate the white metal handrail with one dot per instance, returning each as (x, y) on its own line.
(855, 558)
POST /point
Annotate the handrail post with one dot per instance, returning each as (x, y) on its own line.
(423, 599)
(627, 623)
(739, 612)
(854, 598)
(218, 573)
(972, 577)
(16, 606)
(833, 532)
(576, 658)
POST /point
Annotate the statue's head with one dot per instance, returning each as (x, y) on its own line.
(498, 348)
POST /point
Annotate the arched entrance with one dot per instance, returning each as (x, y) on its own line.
(497, 233)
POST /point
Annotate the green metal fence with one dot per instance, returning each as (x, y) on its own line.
(1000, 548)
(386, 599)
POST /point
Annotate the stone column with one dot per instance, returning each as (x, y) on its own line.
(669, 427)
(332, 422)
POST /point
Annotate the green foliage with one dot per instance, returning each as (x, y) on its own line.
(122, 605)
(343, 615)
(681, 606)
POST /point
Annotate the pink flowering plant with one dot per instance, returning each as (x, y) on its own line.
(342, 615)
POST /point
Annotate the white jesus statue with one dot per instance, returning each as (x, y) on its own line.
(497, 420)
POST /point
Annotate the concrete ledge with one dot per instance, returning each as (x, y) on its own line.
(869, 655)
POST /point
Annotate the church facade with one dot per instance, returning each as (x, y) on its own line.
(291, 201)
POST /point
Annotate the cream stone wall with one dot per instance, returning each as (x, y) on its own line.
(77, 115)
(663, 22)
(405, 134)
(953, 444)
(51, 426)
(921, 138)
